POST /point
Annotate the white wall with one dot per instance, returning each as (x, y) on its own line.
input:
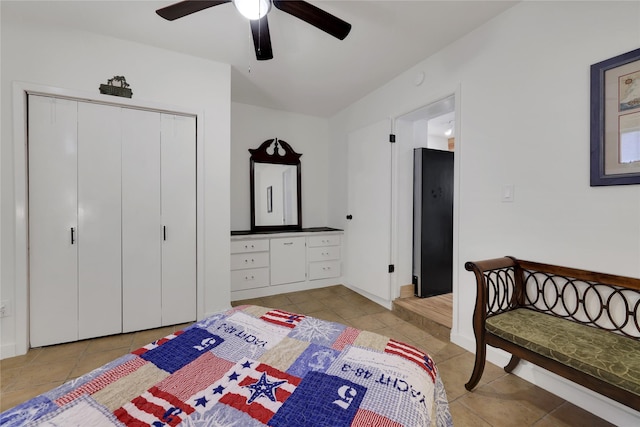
(522, 118)
(438, 143)
(81, 62)
(308, 135)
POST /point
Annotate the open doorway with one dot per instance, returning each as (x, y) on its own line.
(430, 128)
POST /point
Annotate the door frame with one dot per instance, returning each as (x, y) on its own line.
(395, 241)
(20, 92)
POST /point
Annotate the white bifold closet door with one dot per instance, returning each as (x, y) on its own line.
(53, 225)
(178, 183)
(74, 220)
(112, 219)
(99, 207)
(141, 226)
(158, 219)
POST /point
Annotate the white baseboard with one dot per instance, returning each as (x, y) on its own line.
(603, 407)
(282, 289)
(383, 302)
(7, 350)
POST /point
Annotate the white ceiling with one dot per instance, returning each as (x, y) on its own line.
(312, 72)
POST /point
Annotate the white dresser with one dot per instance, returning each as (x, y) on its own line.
(273, 263)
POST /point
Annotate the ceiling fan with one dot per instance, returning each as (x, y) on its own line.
(256, 11)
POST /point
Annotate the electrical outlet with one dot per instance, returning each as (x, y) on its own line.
(5, 308)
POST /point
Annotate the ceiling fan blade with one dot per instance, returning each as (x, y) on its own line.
(315, 16)
(261, 38)
(187, 7)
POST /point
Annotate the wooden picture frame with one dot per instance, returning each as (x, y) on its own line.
(270, 199)
(615, 120)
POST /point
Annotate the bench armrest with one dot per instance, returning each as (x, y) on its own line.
(498, 286)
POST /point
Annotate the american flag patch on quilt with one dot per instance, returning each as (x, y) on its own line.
(251, 367)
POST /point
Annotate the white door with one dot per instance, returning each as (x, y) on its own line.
(141, 225)
(178, 187)
(368, 232)
(99, 225)
(53, 238)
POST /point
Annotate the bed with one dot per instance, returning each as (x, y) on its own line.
(252, 366)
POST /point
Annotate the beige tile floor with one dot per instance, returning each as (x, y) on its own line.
(499, 400)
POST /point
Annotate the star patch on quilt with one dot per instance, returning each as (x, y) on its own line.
(249, 386)
(264, 388)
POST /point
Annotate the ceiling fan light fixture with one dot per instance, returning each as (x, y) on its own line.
(253, 9)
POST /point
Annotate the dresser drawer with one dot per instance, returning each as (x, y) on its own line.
(249, 260)
(324, 240)
(324, 270)
(324, 253)
(249, 279)
(244, 246)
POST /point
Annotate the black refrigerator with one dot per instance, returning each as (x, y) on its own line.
(432, 222)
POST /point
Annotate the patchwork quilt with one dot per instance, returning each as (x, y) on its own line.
(248, 367)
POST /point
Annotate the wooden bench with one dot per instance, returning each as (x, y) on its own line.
(581, 325)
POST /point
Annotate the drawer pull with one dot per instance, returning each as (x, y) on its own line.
(249, 278)
(246, 260)
(288, 243)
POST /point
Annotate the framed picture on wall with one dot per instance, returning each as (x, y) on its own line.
(615, 120)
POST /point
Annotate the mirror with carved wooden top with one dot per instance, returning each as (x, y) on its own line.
(275, 176)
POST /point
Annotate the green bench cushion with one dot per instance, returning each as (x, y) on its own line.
(611, 357)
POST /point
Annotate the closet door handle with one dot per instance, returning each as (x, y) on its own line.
(164, 232)
(73, 240)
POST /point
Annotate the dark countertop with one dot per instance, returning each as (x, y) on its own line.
(301, 230)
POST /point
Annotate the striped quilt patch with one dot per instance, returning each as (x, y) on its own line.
(347, 337)
(153, 408)
(412, 354)
(102, 381)
(283, 318)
